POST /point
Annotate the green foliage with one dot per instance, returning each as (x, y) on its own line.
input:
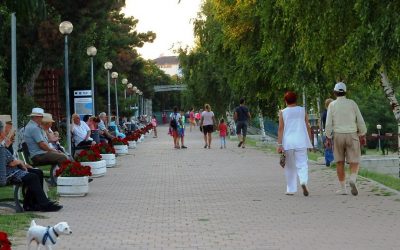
(260, 49)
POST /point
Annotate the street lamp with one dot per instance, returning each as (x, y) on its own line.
(141, 103)
(92, 51)
(124, 82)
(66, 28)
(108, 67)
(379, 127)
(114, 75)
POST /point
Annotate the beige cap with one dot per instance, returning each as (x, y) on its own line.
(5, 118)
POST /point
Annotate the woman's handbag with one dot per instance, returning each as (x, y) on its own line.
(282, 160)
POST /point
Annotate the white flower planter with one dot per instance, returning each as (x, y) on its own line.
(110, 160)
(72, 186)
(141, 138)
(132, 144)
(121, 149)
(98, 168)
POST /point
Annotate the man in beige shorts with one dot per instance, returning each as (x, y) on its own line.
(346, 125)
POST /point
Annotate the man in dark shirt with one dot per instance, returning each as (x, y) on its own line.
(241, 116)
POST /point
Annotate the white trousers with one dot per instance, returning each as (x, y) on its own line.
(296, 165)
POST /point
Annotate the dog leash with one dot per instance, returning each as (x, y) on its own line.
(48, 236)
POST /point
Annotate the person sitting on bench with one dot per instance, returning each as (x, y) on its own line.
(105, 135)
(81, 132)
(32, 178)
(34, 136)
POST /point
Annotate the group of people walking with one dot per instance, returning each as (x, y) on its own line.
(208, 124)
(345, 131)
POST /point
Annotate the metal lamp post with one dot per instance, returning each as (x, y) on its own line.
(108, 67)
(379, 127)
(114, 76)
(129, 86)
(92, 51)
(66, 28)
(124, 82)
(137, 101)
(141, 103)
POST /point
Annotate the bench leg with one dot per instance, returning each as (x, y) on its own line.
(18, 207)
(53, 177)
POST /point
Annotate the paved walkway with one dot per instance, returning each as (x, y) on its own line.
(162, 198)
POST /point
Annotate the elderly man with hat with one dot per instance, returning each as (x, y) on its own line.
(39, 149)
(346, 125)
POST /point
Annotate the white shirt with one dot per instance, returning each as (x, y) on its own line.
(80, 132)
(207, 118)
(295, 135)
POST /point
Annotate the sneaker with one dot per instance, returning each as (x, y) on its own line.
(354, 190)
(289, 193)
(342, 191)
(51, 207)
(305, 189)
(183, 146)
(240, 144)
(205, 146)
(221, 147)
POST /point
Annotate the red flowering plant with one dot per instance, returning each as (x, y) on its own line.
(92, 154)
(73, 169)
(119, 141)
(103, 148)
(133, 137)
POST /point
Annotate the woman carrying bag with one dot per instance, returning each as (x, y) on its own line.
(293, 140)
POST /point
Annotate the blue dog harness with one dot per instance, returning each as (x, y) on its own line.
(48, 236)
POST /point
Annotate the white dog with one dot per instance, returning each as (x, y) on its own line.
(46, 236)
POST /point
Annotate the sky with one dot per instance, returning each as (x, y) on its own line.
(168, 19)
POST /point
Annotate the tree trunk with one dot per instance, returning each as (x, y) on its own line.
(389, 93)
(30, 86)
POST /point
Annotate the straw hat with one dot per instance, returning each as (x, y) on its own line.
(5, 119)
(37, 112)
(47, 117)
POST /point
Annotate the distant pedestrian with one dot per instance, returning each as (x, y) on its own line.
(154, 123)
(294, 135)
(207, 123)
(241, 116)
(346, 125)
(181, 129)
(192, 119)
(164, 118)
(223, 128)
(328, 152)
(173, 126)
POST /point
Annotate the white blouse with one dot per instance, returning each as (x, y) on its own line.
(295, 135)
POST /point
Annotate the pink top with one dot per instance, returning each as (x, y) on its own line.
(154, 122)
(191, 115)
(92, 125)
(222, 129)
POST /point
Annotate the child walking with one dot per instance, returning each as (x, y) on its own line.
(154, 123)
(222, 132)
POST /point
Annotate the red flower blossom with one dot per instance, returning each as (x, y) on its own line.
(73, 169)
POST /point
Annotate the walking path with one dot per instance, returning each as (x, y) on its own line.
(162, 198)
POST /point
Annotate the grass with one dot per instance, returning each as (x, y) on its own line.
(14, 223)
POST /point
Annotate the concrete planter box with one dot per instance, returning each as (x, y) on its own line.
(132, 144)
(72, 186)
(110, 160)
(98, 168)
(121, 149)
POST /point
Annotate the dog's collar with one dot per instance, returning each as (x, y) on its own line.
(48, 236)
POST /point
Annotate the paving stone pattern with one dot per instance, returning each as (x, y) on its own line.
(163, 198)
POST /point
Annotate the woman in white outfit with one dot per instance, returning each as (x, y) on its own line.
(294, 139)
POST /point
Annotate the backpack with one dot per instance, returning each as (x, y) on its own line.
(173, 123)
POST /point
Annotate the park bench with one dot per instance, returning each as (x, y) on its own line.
(26, 158)
(17, 187)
